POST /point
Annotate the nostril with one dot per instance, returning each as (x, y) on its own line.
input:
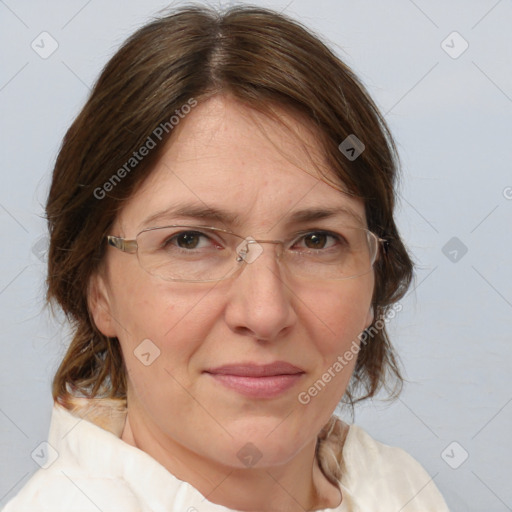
(242, 330)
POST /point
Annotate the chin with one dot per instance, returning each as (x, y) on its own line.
(264, 447)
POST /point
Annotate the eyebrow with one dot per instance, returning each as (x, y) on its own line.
(203, 212)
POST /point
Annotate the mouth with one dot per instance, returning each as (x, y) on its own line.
(258, 381)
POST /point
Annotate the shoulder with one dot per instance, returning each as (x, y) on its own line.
(84, 474)
(65, 490)
(376, 474)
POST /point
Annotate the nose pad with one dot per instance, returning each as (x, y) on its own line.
(249, 250)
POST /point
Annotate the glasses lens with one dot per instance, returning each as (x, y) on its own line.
(190, 253)
(342, 254)
(184, 253)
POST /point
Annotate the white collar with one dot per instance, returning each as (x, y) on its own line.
(89, 438)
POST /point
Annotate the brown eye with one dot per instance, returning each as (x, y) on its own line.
(316, 240)
(188, 240)
(319, 243)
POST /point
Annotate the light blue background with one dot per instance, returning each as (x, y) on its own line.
(452, 118)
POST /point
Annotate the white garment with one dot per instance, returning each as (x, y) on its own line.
(97, 471)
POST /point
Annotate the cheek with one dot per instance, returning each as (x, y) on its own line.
(337, 314)
(337, 318)
(175, 317)
(165, 326)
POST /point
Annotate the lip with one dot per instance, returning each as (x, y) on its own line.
(258, 381)
(256, 370)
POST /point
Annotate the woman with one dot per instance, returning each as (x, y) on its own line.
(223, 241)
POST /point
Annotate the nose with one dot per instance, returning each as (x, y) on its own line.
(260, 302)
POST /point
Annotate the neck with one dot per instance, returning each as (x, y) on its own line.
(296, 486)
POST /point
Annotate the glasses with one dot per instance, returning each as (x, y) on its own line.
(204, 253)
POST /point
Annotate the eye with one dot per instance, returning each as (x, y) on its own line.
(318, 240)
(188, 240)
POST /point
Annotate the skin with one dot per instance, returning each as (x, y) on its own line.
(178, 414)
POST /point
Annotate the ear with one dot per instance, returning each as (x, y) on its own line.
(370, 317)
(100, 305)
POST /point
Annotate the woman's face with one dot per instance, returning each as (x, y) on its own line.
(176, 337)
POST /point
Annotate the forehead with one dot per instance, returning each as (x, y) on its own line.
(225, 157)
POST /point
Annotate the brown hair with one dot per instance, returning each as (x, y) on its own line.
(262, 59)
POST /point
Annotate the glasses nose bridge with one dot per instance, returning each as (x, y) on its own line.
(279, 243)
(243, 251)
